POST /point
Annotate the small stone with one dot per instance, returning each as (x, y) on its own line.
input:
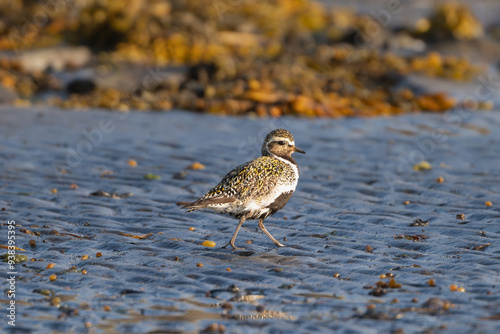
(423, 165)
(440, 179)
(208, 243)
(181, 175)
(196, 165)
(214, 328)
(461, 216)
(227, 306)
(420, 222)
(377, 292)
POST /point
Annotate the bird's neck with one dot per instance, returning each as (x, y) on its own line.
(285, 158)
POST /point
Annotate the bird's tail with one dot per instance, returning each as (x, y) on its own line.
(204, 202)
(189, 206)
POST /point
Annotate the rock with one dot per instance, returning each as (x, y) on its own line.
(81, 86)
(56, 58)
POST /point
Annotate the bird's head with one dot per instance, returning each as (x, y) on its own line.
(280, 143)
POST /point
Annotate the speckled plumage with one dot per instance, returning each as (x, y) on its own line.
(259, 188)
(257, 181)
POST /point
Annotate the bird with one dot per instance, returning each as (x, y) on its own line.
(256, 189)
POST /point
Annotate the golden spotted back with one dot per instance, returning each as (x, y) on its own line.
(254, 179)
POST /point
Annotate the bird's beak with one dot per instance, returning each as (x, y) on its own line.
(298, 150)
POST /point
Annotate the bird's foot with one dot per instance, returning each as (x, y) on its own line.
(232, 245)
(279, 244)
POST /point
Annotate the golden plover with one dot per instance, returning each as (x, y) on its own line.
(256, 189)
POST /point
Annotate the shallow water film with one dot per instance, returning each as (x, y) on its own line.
(393, 228)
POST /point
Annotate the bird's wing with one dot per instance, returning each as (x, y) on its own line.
(258, 176)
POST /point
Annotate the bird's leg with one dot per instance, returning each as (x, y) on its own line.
(233, 239)
(263, 228)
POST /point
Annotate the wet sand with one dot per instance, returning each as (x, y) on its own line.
(346, 225)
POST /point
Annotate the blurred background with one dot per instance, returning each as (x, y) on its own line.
(302, 57)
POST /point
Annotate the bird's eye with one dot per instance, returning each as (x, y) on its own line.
(281, 142)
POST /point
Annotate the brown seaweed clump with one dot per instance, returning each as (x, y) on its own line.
(270, 58)
(451, 19)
